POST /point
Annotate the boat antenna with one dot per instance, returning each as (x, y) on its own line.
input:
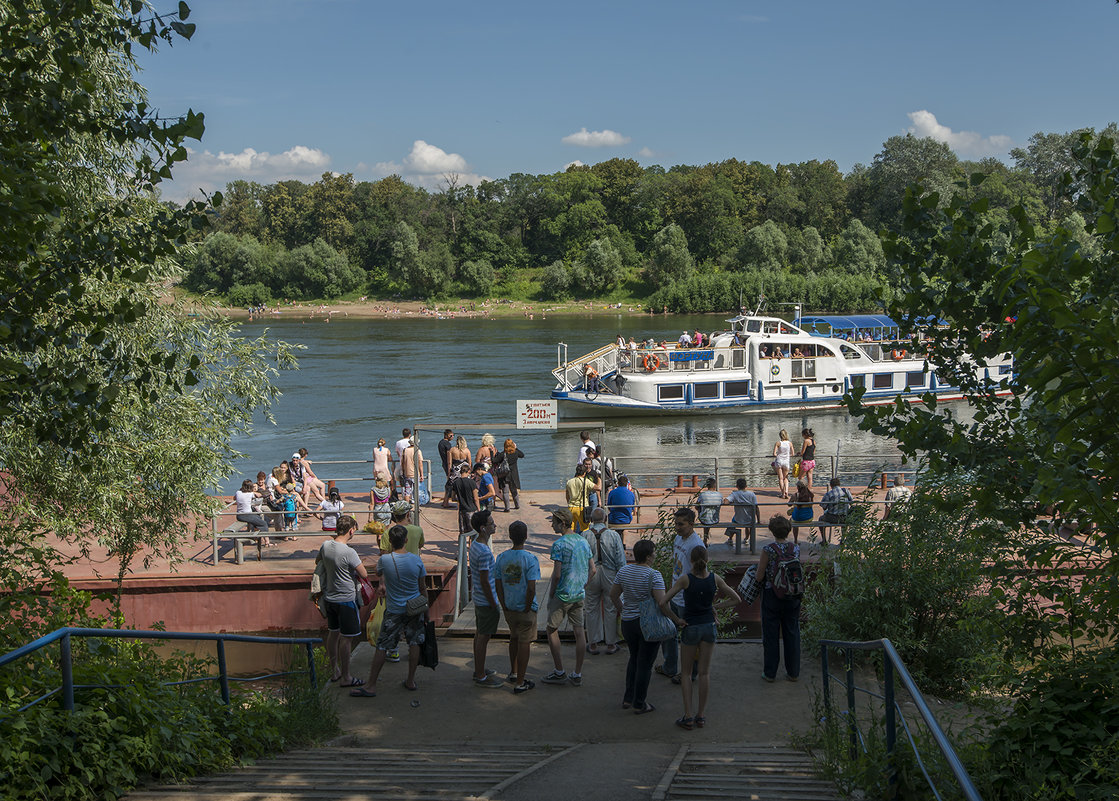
(761, 303)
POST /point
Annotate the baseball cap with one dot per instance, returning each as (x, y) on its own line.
(563, 516)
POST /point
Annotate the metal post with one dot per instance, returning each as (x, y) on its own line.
(223, 674)
(460, 575)
(214, 531)
(415, 474)
(826, 678)
(311, 663)
(718, 483)
(754, 537)
(891, 726)
(67, 673)
(849, 656)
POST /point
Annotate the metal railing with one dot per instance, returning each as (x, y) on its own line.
(63, 637)
(893, 712)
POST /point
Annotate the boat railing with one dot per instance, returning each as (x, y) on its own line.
(571, 373)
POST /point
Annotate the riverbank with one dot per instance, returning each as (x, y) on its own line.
(447, 310)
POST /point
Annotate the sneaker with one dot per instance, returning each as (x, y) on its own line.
(792, 678)
(769, 679)
(490, 682)
(577, 679)
(512, 678)
(524, 688)
(392, 656)
(555, 677)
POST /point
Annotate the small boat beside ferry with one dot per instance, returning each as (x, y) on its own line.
(760, 363)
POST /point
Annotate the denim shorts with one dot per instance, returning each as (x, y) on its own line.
(695, 633)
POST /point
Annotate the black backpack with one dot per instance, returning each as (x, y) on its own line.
(788, 580)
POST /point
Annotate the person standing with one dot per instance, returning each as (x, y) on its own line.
(483, 591)
(465, 490)
(621, 502)
(486, 452)
(699, 588)
(445, 446)
(381, 456)
(599, 612)
(780, 612)
(402, 443)
(517, 574)
(572, 566)
(808, 456)
(487, 488)
(403, 579)
(508, 476)
(782, 461)
(588, 447)
(411, 469)
(746, 512)
(685, 540)
(578, 493)
(708, 503)
(340, 599)
(633, 585)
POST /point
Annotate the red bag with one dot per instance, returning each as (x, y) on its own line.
(365, 589)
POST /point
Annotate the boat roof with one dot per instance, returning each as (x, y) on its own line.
(843, 322)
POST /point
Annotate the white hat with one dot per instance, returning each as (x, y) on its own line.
(295, 456)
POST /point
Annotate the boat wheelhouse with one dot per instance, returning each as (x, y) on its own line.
(759, 363)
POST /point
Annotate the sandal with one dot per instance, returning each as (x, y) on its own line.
(647, 708)
(413, 688)
(353, 682)
(686, 723)
(700, 721)
(361, 692)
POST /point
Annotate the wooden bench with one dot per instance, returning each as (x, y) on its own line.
(239, 534)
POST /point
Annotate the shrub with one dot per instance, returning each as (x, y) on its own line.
(249, 295)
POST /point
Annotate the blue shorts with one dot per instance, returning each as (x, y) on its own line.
(695, 633)
(344, 618)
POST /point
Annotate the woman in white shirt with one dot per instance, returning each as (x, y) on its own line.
(330, 509)
(782, 461)
(244, 499)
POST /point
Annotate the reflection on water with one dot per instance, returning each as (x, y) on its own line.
(364, 379)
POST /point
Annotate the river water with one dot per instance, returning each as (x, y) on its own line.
(363, 379)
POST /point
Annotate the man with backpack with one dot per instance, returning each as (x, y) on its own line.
(836, 503)
(781, 598)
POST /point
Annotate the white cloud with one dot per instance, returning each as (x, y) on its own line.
(585, 138)
(428, 159)
(571, 164)
(430, 167)
(209, 172)
(646, 153)
(966, 143)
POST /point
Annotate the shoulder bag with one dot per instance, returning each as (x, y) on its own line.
(655, 626)
(413, 607)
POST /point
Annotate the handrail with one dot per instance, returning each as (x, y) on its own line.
(63, 635)
(893, 710)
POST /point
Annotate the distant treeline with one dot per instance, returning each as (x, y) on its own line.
(689, 238)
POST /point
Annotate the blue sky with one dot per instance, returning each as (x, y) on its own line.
(294, 88)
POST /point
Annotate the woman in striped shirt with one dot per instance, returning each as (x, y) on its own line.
(634, 584)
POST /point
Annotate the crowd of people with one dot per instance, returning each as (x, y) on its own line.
(275, 499)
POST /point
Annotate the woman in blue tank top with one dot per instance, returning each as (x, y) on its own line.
(700, 587)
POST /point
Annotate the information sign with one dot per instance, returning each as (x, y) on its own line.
(537, 414)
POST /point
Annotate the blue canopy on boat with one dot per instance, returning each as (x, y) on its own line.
(823, 325)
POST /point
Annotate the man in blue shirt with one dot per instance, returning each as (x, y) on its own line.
(621, 501)
(517, 574)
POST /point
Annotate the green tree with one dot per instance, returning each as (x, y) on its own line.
(806, 248)
(764, 247)
(877, 197)
(670, 260)
(555, 282)
(479, 277)
(603, 267)
(82, 153)
(858, 250)
(317, 271)
(240, 212)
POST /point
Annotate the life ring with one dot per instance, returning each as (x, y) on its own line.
(898, 354)
(652, 362)
(775, 370)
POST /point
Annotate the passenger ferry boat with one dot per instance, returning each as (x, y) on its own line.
(760, 363)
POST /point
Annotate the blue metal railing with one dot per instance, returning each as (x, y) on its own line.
(893, 711)
(63, 638)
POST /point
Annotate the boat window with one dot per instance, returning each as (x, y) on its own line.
(753, 326)
(702, 364)
(705, 391)
(1006, 369)
(770, 327)
(681, 365)
(804, 369)
(858, 381)
(736, 389)
(738, 358)
(883, 380)
(850, 352)
(721, 360)
(915, 378)
(675, 392)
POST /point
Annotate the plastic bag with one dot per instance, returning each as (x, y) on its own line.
(373, 625)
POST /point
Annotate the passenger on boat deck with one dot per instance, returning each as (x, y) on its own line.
(590, 378)
(620, 341)
(685, 340)
(632, 344)
(662, 344)
(797, 354)
(698, 339)
(778, 353)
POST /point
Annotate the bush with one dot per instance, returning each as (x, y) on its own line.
(249, 295)
(918, 579)
(555, 283)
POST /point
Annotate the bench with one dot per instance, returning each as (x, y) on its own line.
(239, 534)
